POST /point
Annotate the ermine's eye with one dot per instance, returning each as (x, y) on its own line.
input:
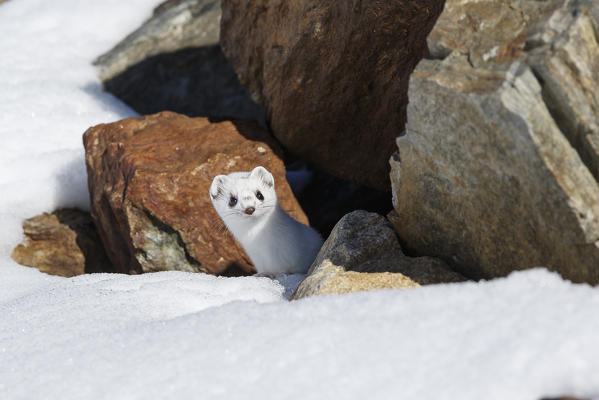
(259, 196)
(232, 201)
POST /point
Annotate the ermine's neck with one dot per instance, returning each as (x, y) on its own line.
(252, 227)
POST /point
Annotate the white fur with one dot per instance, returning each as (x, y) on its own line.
(275, 242)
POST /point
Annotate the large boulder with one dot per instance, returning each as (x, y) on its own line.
(63, 243)
(149, 180)
(496, 170)
(174, 62)
(332, 75)
(363, 253)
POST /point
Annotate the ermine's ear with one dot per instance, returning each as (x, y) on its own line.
(263, 175)
(218, 184)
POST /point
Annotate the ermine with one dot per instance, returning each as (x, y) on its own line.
(275, 242)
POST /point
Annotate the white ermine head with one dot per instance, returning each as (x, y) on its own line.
(244, 195)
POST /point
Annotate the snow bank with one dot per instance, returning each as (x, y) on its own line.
(190, 336)
(153, 336)
(49, 95)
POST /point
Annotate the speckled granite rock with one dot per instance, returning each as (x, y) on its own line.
(363, 253)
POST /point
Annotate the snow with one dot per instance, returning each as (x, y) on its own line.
(188, 336)
(49, 95)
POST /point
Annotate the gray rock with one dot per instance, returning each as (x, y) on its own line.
(191, 23)
(363, 253)
(556, 38)
(174, 62)
(566, 62)
(495, 172)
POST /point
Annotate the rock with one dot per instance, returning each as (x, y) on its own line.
(363, 253)
(490, 176)
(557, 39)
(63, 243)
(162, 7)
(173, 26)
(565, 59)
(174, 62)
(332, 75)
(149, 180)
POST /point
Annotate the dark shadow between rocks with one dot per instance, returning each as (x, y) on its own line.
(253, 130)
(326, 199)
(192, 81)
(72, 192)
(87, 239)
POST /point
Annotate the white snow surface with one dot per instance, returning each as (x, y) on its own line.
(192, 336)
(189, 336)
(49, 96)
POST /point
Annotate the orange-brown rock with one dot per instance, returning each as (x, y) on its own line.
(332, 75)
(63, 243)
(149, 180)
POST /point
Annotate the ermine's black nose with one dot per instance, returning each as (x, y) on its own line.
(250, 210)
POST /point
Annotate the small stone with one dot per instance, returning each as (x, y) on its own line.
(63, 243)
(363, 253)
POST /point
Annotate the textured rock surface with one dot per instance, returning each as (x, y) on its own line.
(495, 172)
(332, 75)
(557, 38)
(174, 62)
(566, 62)
(190, 23)
(149, 179)
(62, 243)
(363, 253)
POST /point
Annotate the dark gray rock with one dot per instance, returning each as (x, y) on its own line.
(174, 62)
(363, 253)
